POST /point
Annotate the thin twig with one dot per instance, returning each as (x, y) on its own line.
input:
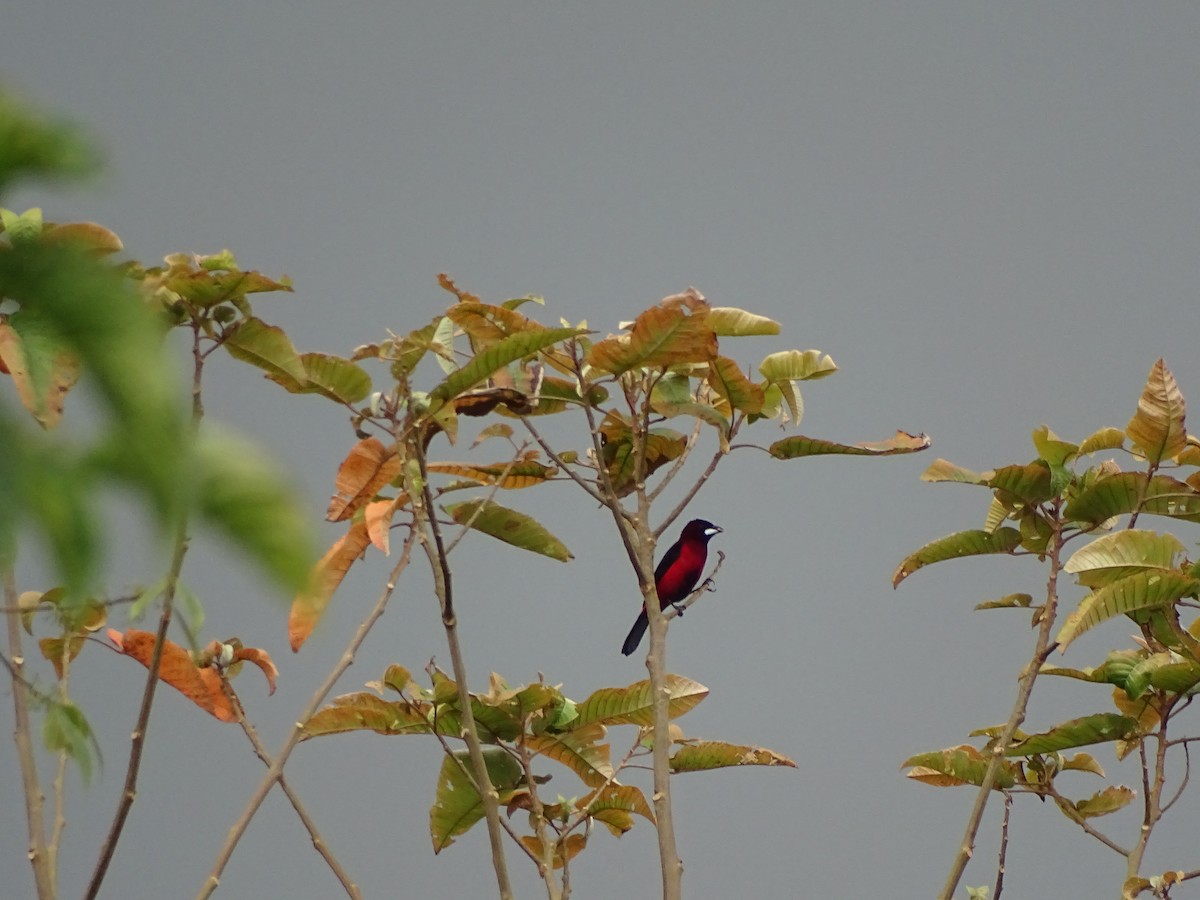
(470, 776)
(1072, 813)
(1042, 650)
(496, 484)
(60, 775)
(138, 740)
(553, 456)
(692, 491)
(679, 463)
(546, 864)
(1008, 802)
(276, 769)
(22, 735)
(443, 585)
(1187, 774)
(309, 825)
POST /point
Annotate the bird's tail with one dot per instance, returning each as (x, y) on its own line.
(635, 633)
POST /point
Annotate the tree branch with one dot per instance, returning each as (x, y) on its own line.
(43, 877)
(276, 770)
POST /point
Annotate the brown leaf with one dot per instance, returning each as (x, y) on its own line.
(309, 605)
(364, 471)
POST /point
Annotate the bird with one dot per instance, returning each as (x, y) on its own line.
(677, 574)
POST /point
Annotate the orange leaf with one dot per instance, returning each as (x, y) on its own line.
(309, 605)
(261, 659)
(675, 331)
(364, 471)
(201, 686)
(378, 520)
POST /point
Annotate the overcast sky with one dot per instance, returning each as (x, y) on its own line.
(985, 212)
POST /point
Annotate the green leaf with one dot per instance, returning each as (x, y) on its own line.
(481, 366)
(266, 346)
(579, 750)
(944, 470)
(364, 711)
(956, 546)
(22, 227)
(1142, 590)
(207, 288)
(330, 376)
(613, 805)
(92, 310)
(509, 526)
(33, 146)
(1095, 729)
(796, 365)
(1030, 484)
(1127, 492)
(1009, 601)
(41, 366)
(957, 766)
(1157, 428)
(66, 729)
(732, 322)
(1165, 671)
(1054, 451)
(1117, 555)
(731, 383)
(634, 705)
(457, 805)
(701, 756)
(1109, 800)
(799, 445)
(241, 495)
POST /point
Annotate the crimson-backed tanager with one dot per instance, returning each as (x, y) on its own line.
(677, 574)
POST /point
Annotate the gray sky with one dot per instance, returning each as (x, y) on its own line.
(986, 213)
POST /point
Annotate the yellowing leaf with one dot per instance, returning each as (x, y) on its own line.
(676, 331)
(1104, 439)
(728, 380)
(957, 545)
(799, 445)
(266, 346)
(509, 476)
(634, 705)
(42, 368)
(1157, 428)
(796, 365)
(509, 526)
(728, 320)
(701, 756)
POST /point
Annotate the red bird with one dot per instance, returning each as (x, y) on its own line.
(677, 574)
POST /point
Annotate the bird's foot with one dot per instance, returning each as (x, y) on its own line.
(709, 585)
(679, 608)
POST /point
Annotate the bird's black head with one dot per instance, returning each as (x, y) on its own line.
(700, 530)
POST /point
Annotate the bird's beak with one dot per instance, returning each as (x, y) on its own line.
(716, 529)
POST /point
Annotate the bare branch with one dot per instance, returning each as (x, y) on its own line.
(276, 769)
(310, 826)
